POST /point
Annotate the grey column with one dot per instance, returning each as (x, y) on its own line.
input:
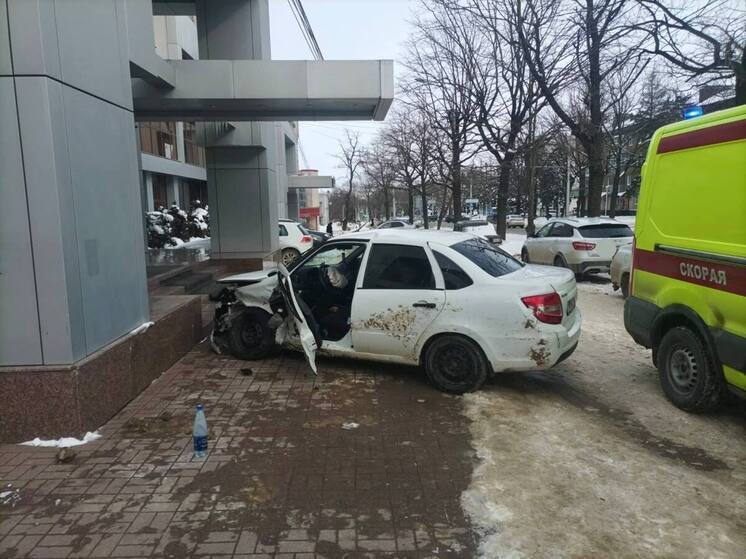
(242, 159)
(72, 273)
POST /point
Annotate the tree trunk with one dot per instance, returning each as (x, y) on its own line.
(425, 217)
(615, 185)
(739, 69)
(581, 192)
(386, 210)
(456, 188)
(410, 195)
(595, 177)
(503, 186)
(346, 212)
(443, 206)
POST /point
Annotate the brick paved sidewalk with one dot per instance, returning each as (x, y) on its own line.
(283, 478)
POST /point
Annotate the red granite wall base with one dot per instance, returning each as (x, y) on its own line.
(52, 402)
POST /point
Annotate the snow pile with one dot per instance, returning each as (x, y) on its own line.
(64, 441)
(142, 328)
(173, 228)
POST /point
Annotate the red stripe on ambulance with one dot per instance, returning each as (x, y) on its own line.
(718, 134)
(716, 275)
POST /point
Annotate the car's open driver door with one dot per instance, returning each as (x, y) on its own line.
(308, 331)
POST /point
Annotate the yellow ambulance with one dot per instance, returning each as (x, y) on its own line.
(688, 288)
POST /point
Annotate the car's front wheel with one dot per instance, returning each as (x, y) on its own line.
(688, 376)
(250, 336)
(455, 364)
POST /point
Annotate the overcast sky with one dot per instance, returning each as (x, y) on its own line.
(345, 30)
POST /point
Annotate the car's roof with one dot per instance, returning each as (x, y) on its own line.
(414, 236)
(582, 221)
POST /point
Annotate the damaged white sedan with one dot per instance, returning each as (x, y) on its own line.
(453, 303)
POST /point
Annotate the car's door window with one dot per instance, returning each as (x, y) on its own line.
(453, 276)
(561, 230)
(544, 231)
(385, 226)
(283, 231)
(398, 267)
(397, 224)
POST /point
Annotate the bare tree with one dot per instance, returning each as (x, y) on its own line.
(706, 40)
(350, 157)
(438, 85)
(411, 143)
(380, 172)
(580, 45)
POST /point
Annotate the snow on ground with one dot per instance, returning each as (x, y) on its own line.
(513, 243)
(194, 242)
(64, 441)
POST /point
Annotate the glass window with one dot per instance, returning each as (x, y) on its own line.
(605, 231)
(160, 196)
(453, 275)
(544, 231)
(283, 231)
(334, 255)
(487, 256)
(561, 230)
(398, 267)
(397, 224)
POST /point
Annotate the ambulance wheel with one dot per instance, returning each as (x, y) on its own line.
(688, 376)
(250, 336)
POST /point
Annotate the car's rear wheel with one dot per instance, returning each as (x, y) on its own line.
(455, 364)
(688, 376)
(524, 255)
(625, 285)
(289, 255)
(250, 336)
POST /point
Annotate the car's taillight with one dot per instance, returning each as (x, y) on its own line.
(577, 245)
(306, 239)
(546, 308)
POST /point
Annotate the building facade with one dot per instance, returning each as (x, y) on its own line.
(75, 78)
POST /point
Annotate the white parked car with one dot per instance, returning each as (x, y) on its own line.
(480, 228)
(585, 245)
(294, 241)
(453, 303)
(621, 266)
(515, 220)
(395, 224)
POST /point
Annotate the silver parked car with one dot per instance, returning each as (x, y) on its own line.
(621, 266)
(585, 245)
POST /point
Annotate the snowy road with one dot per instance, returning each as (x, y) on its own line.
(591, 460)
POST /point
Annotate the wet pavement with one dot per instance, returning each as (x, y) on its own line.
(364, 461)
(367, 460)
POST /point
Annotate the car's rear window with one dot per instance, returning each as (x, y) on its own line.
(303, 230)
(491, 259)
(605, 231)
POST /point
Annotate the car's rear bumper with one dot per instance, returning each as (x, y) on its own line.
(591, 267)
(539, 347)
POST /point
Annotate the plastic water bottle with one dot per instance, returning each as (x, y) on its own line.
(199, 433)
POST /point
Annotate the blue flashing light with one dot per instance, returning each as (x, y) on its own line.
(692, 112)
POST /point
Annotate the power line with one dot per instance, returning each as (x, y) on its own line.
(305, 28)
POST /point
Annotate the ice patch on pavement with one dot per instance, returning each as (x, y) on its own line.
(477, 501)
(350, 425)
(64, 441)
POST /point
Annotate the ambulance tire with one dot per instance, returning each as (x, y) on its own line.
(689, 378)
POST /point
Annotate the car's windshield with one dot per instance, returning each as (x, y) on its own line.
(491, 259)
(605, 231)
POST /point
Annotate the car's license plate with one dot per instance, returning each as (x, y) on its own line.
(571, 305)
